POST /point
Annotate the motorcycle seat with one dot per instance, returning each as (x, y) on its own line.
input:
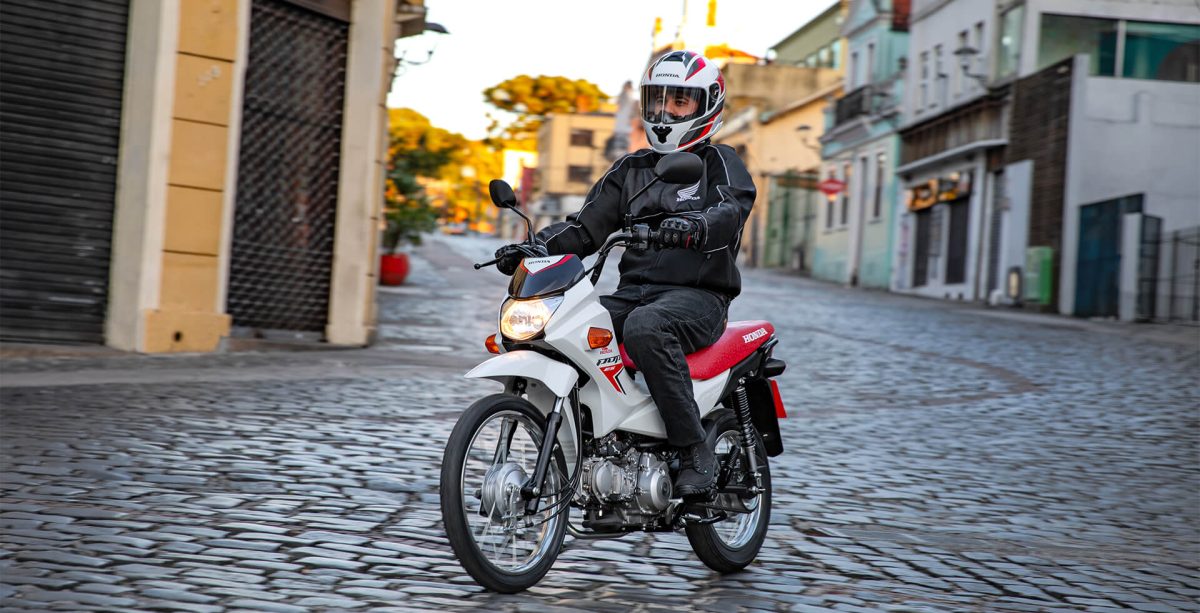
(741, 338)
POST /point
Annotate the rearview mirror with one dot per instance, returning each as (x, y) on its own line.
(502, 194)
(680, 167)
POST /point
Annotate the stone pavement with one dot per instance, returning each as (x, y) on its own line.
(937, 460)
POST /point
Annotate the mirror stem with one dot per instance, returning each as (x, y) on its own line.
(635, 196)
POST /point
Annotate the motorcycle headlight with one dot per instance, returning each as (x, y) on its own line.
(521, 320)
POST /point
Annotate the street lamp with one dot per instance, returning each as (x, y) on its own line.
(966, 57)
(402, 62)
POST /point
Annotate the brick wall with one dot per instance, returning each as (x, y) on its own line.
(1039, 129)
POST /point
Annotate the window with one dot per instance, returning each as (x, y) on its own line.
(829, 211)
(1161, 51)
(864, 171)
(854, 82)
(869, 75)
(939, 77)
(835, 54)
(877, 208)
(959, 78)
(581, 138)
(1010, 41)
(924, 80)
(845, 217)
(1063, 36)
(823, 57)
(579, 174)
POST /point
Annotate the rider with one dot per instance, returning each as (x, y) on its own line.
(669, 302)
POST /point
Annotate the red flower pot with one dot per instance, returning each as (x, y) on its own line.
(393, 268)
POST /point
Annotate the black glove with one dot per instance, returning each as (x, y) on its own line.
(510, 256)
(680, 232)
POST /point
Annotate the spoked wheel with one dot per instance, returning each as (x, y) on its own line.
(492, 451)
(731, 544)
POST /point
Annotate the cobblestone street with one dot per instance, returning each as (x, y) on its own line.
(938, 457)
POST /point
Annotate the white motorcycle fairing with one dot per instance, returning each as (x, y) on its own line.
(559, 378)
(616, 401)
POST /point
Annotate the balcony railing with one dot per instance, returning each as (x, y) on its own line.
(853, 104)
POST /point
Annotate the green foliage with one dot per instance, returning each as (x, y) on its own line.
(407, 220)
(417, 152)
(531, 99)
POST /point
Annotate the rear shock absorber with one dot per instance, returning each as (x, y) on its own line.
(742, 400)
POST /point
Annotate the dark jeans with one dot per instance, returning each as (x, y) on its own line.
(660, 324)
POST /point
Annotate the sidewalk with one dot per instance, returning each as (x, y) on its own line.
(1176, 333)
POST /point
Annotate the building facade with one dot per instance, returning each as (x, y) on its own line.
(860, 148)
(775, 115)
(570, 153)
(952, 137)
(177, 171)
(1109, 198)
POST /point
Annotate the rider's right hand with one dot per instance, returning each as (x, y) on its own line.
(509, 257)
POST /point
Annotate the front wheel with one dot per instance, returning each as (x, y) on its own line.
(492, 451)
(732, 544)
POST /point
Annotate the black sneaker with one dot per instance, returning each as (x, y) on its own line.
(697, 473)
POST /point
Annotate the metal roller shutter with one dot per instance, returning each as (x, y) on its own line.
(60, 107)
(288, 167)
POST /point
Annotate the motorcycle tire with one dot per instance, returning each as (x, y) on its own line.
(454, 515)
(706, 539)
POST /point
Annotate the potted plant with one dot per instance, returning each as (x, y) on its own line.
(406, 220)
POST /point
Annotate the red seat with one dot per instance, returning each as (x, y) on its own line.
(741, 338)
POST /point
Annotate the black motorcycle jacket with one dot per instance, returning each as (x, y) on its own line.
(720, 202)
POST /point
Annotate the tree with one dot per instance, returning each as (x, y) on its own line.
(531, 99)
(428, 177)
(416, 150)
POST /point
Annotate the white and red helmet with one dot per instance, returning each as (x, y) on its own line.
(681, 73)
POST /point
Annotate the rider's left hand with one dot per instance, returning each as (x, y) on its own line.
(680, 232)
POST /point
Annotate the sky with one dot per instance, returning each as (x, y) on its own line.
(607, 43)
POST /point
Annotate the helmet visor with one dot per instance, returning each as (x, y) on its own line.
(671, 104)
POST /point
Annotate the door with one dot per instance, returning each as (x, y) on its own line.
(921, 253)
(1098, 268)
(288, 168)
(956, 242)
(60, 104)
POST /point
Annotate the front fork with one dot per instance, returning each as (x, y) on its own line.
(742, 411)
(531, 491)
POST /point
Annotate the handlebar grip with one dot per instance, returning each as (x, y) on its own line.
(488, 263)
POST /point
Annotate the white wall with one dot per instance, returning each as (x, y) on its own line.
(937, 22)
(1175, 11)
(1129, 136)
(1014, 234)
(936, 286)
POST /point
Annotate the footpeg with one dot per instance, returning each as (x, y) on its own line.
(692, 518)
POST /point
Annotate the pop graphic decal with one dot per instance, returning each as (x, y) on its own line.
(611, 367)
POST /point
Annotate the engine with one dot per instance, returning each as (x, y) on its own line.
(626, 487)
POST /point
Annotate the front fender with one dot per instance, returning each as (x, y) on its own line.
(559, 378)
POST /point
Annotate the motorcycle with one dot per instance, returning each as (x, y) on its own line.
(576, 428)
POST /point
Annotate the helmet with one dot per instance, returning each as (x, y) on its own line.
(683, 94)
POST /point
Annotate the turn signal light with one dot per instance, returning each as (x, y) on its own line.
(599, 337)
(490, 344)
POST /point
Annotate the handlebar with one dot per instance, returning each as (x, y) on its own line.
(487, 263)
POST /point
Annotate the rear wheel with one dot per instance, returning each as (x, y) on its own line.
(732, 544)
(491, 452)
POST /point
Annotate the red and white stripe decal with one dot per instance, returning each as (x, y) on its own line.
(535, 265)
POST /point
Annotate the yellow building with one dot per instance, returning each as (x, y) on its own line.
(193, 169)
(774, 118)
(570, 150)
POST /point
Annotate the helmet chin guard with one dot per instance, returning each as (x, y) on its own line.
(683, 96)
